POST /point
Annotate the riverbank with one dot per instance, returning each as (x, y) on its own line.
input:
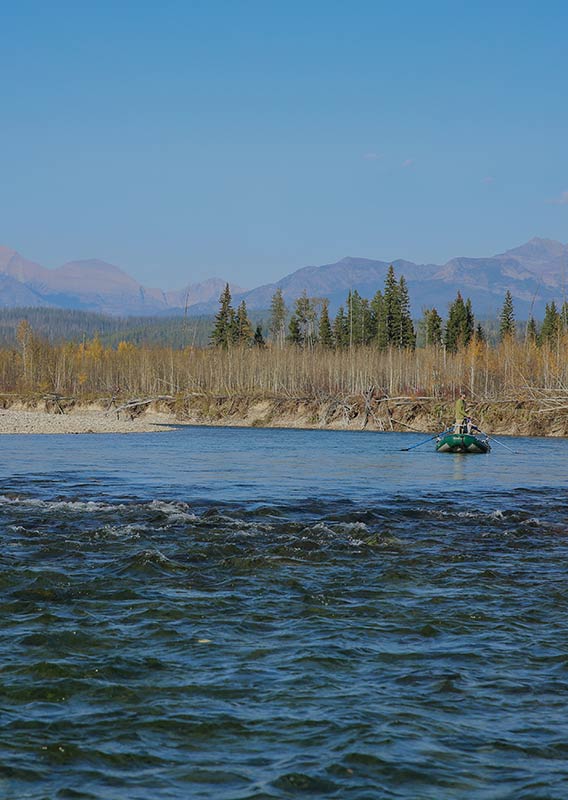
(534, 417)
(38, 420)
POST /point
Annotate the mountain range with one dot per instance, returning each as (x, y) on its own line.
(535, 273)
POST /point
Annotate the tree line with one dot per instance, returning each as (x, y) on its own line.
(383, 322)
(515, 368)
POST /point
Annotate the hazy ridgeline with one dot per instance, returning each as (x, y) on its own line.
(512, 369)
(69, 325)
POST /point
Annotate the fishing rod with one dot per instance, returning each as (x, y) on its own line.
(406, 449)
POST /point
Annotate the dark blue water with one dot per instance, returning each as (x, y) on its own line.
(226, 613)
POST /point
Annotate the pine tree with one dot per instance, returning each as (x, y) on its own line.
(222, 334)
(242, 329)
(433, 325)
(366, 322)
(460, 325)
(479, 335)
(507, 320)
(340, 332)
(389, 329)
(277, 322)
(258, 340)
(294, 331)
(325, 334)
(532, 332)
(469, 322)
(564, 316)
(407, 335)
(353, 306)
(376, 315)
(550, 325)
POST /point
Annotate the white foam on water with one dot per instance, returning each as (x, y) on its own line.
(131, 531)
(175, 512)
(89, 506)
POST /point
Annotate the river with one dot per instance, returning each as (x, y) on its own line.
(242, 613)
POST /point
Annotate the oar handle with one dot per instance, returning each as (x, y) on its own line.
(406, 449)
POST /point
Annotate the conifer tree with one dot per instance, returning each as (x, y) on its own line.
(532, 332)
(507, 319)
(325, 333)
(389, 329)
(258, 340)
(277, 322)
(407, 335)
(358, 319)
(469, 322)
(294, 331)
(479, 335)
(460, 325)
(241, 328)
(340, 332)
(366, 322)
(550, 325)
(564, 316)
(375, 314)
(433, 325)
(222, 334)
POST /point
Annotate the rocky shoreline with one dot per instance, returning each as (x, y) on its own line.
(529, 417)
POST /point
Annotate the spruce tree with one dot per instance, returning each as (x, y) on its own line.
(460, 325)
(389, 330)
(358, 321)
(564, 316)
(507, 319)
(242, 329)
(550, 325)
(258, 340)
(433, 328)
(479, 335)
(469, 322)
(376, 315)
(294, 331)
(277, 322)
(324, 333)
(340, 332)
(222, 334)
(366, 322)
(407, 335)
(353, 306)
(532, 332)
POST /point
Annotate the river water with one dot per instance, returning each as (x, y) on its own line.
(239, 613)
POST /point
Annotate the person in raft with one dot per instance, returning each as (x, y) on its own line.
(459, 426)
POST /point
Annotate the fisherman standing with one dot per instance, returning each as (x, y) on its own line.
(460, 414)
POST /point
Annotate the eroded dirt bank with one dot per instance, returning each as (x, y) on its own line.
(542, 417)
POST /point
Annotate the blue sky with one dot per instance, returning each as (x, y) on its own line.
(248, 138)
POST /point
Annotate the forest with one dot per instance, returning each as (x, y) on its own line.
(368, 345)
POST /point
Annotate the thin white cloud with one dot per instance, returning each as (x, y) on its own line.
(372, 156)
(562, 200)
(489, 179)
(408, 163)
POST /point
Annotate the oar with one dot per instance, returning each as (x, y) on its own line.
(501, 443)
(406, 449)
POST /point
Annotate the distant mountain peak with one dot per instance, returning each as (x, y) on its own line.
(535, 272)
(537, 248)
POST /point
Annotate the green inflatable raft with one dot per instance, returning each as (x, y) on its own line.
(450, 442)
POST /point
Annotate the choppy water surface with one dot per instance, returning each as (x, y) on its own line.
(224, 613)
